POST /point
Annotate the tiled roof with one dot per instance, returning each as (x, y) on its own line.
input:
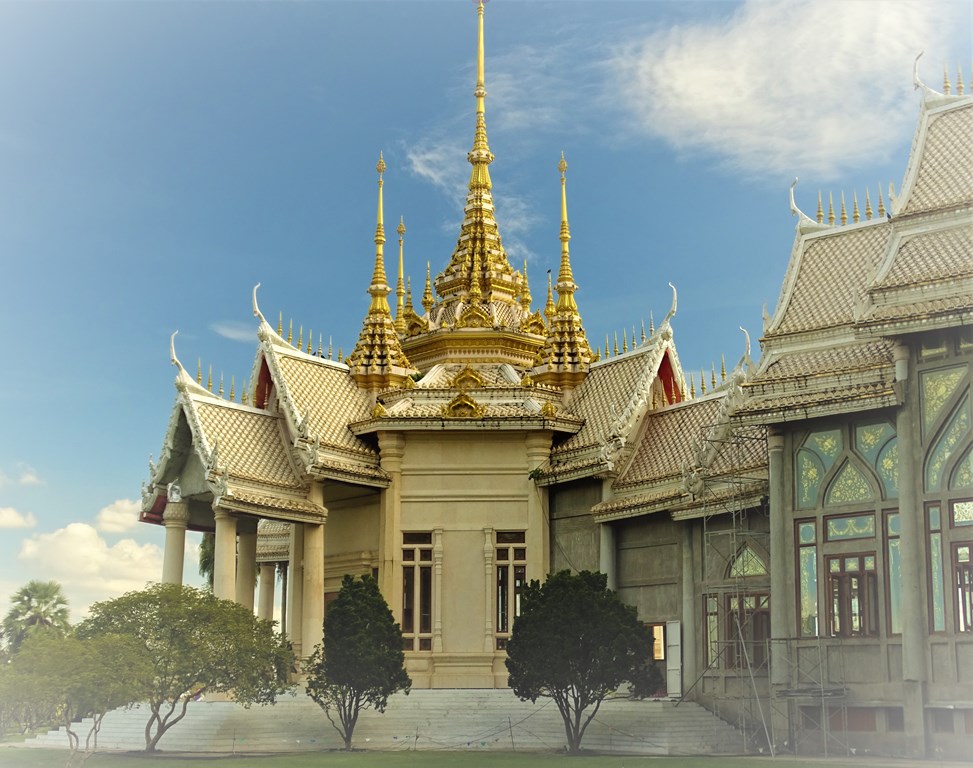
(938, 256)
(833, 360)
(326, 395)
(273, 541)
(250, 445)
(442, 376)
(832, 269)
(943, 177)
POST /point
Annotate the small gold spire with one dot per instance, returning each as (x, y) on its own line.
(844, 213)
(881, 202)
(427, 299)
(300, 338)
(651, 323)
(330, 349)
(341, 355)
(245, 393)
(290, 331)
(280, 324)
(643, 330)
(713, 375)
(565, 278)
(820, 215)
(830, 209)
(199, 370)
(616, 343)
(209, 380)
(607, 347)
(221, 384)
(232, 388)
(399, 287)
(868, 205)
(960, 88)
(320, 345)
(855, 215)
(722, 368)
(310, 341)
(549, 308)
(702, 380)
(624, 340)
(525, 297)
(692, 386)
(946, 86)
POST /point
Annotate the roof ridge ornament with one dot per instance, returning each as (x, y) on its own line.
(184, 381)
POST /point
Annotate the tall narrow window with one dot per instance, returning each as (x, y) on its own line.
(808, 567)
(894, 572)
(963, 569)
(511, 558)
(712, 629)
(852, 595)
(749, 626)
(937, 606)
(417, 591)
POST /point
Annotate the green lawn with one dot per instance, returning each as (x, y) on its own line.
(16, 757)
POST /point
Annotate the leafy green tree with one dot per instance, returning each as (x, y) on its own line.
(38, 606)
(196, 644)
(361, 662)
(64, 679)
(576, 643)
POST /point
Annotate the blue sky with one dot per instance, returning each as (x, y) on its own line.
(158, 159)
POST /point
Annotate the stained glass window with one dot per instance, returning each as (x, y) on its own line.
(938, 606)
(936, 388)
(870, 439)
(851, 527)
(963, 513)
(848, 487)
(963, 476)
(747, 563)
(955, 431)
(894, 568)
(888, 468)
(808, 577)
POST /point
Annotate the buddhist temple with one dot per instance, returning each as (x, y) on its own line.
(796, 528)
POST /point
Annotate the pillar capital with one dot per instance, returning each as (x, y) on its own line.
(176, 514)
(775, 439)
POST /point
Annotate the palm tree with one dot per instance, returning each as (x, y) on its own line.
(39, 606)
(207, 558)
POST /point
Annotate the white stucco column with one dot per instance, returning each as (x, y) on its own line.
(175, 519)
(538, 522)
(295, 594)
(392, 448)
(313, 624)
(224, 556)
(265, 600)
(606, 554)
(690, 615)
(246, 569)
(780, 605)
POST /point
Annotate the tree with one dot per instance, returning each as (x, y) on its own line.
(207, 557)
(361, 663)
(38, 606)
(65, 679)
(576, 643)
(196, 644)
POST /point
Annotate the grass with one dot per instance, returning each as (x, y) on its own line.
(18, 757)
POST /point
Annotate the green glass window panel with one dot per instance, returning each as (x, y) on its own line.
(936, 389)
(854, 527)
(888, 468)
(834, 566)
(895, 585)
(955, 431)
(827, 445)
(870, 563)
(747, 563)
(963, 513)
(806, 533)
(848, 487)
(893, 525)
(870, 439)
(963, 554)
(963, 476)
(852, 564)
(934, 522)
(810, 472)
(809, 590)
(938, 595)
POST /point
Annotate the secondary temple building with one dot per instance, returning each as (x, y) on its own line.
(799, 535)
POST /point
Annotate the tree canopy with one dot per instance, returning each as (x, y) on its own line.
(38, 606)
(361, 663)
(196, 644)
(64, 679)
(576, 643)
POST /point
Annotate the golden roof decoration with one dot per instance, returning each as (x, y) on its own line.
(463, 407)
(468, 378)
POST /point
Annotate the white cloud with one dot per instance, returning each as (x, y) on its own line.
(783, 86)
(11, 518)
(87, 567)
(234, 331)
(23, 475)
(437, 161)
(119, 516)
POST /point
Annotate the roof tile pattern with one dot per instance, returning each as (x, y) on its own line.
(328, 397)
(944, 178)
(250, 445)
(932, 257)
(833, 270)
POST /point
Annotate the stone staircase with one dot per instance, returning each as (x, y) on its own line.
(425, 719)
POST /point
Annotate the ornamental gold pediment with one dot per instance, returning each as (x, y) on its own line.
(463, 407)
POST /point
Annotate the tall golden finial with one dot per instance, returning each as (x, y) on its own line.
(209, 380)
(607, 347)
(525, 297)
(702, 380)
(408, 296)
(245, 393)
(830, 209)
(330, 349)
(616, 343)
(199, 370)
(651, 323)
(723, 368)
(232, 388)
(341, 355)
(549, 307)
(868, 206)
(565, 279)
(960, 88)
(320, 345)
(844, 213)
(280, 324)
(946, 86)
(290, 331)
(692, 386)
(427, 299)
(300, 338)
(643, 330)
(881, 202)
(624, 340)
(379, 288)
(310, 341)
(820, 216)
(855, 215)
(713, 375)
(221, 384)
(399, 286)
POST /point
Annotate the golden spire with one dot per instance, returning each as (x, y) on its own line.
(399, 287)
(855, 215)
(280, 324)
(232, 388)
(244, 393)
(310, 341)
(868, 205)
(209, 380)
(549, 308)
(330, 349)
(702, 381)
(820, 216)
(525, 297)
(722, 368)
(624, 340)
(946, 86)
(300, 338)
(881, 202)
(320, 345)
(830, 209)
(221, 384)
(713, 375)
(651, 323)
(692, 386)
(290, 331)
(616, 343)
(199, 370)
(960, 88)
(565, 279)
(643, 330)
(427, 299)
(844, 213)
(378, 362)
(607, 347)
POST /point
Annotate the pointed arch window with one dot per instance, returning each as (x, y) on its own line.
(747, 562)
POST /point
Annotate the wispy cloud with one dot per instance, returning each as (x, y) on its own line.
(785, 86)
(119, 516)
(235, 331)
(11, 518)
(22, 474)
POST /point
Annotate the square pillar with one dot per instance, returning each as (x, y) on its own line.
(224, 556)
